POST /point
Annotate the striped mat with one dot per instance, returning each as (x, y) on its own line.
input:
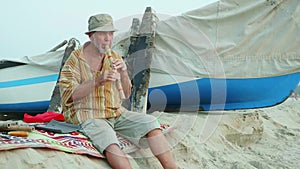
(74, 142)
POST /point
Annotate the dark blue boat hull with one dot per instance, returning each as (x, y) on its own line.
(223, 94)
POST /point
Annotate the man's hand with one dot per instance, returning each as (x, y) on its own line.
(108, 75)
(119, 65)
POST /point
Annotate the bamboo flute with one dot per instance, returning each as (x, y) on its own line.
(118, 82)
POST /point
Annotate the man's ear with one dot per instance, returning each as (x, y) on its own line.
(91, 35)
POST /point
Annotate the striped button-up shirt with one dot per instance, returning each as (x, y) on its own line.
(102, 102)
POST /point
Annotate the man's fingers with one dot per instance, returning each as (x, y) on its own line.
(119, 64)
(112, 75)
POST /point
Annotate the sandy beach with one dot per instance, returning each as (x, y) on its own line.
(263, 138)
(255, 138)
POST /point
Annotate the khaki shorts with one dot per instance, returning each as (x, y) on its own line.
(130, 125)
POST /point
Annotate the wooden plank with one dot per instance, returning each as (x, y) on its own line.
(141, 53)
(55, 104)
(128, 47)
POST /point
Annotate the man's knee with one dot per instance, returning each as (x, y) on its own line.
(112, 149)
(154, 132)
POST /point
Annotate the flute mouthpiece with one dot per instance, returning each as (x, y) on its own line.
(107, 49)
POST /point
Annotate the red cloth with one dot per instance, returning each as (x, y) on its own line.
(44, 117)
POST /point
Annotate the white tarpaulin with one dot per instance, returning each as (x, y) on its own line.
(50, 60)
(232, 39)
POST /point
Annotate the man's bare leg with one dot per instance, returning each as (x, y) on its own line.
(160, 148)
(116, 158)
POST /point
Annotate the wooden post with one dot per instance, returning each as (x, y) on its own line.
(59, 46)
(55, 98)
(140, 52)
(134, 33)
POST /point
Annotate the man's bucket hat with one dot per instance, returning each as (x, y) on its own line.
(100, 22)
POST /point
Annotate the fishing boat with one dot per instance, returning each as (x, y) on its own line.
(27, 83)
(228, 55)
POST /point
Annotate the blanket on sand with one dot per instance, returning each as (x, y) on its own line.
(73, 142)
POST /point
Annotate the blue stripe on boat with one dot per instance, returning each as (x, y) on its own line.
(29, 81)
(29, 107)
